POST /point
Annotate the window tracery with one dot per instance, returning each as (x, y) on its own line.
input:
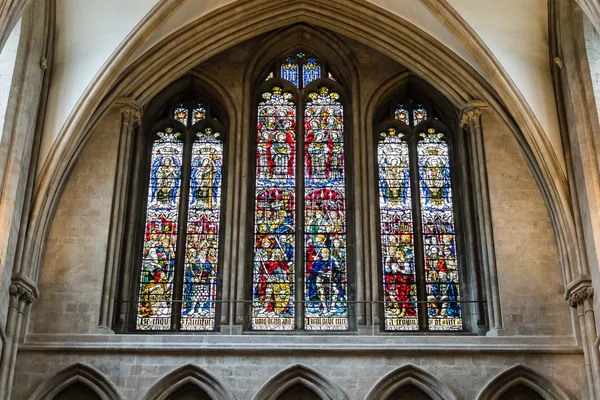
(294, 191)
(421, 285)
(180, 251)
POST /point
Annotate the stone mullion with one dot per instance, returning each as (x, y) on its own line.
(471, 121)
(23, 293)
(130, 113)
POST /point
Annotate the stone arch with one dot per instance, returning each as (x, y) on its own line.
(521, 375)
(410, 375)
(183, 377)
(299, 375)
(77, 374)
(239, 21)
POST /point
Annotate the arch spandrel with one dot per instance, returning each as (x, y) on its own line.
(301, 375)
(522, 376)
(186, 48)
(183, 380)
(408, 377)
(81, 376)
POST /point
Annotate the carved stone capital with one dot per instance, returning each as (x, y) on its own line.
(472, 112)
(130, 109)
(23, 289)
(579, 296)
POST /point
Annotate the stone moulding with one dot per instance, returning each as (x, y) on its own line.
(410, 375)
(237, 22)
(77, 373)
(521, 375)
(188, 375)
(299, 375)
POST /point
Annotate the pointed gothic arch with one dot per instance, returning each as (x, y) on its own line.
(410, 375)
(185, 377)
(522, 376)
(299, 375)
(80, 375)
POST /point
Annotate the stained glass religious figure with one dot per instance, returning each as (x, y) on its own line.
(202, 246)
(439, 236)
(160, 236)
(273, 306)
(325, 213)
(397, 235)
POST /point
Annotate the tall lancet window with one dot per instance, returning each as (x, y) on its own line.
(178, 283)
(421, 285)
(300, 278)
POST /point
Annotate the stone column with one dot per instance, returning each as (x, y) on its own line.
(23, 292)
(130, 112)
(471, 121)
(580, 295)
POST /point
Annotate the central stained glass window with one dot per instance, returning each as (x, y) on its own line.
(300, 236)
(178, 279)
(418, 241)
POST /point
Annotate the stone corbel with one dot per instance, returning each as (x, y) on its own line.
(470, 115)
(23, 289)
(471, 121)
(23, 292)
(131, 119)
(579, 290)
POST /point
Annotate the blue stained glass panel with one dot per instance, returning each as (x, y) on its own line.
(439, 239)
(202, 247)
(289, 71)
(311, 70)
(160, 239)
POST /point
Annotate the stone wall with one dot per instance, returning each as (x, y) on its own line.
(538, 321)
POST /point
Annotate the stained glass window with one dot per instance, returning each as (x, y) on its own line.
(202, 247)
(289, 71)
(441, 267)
(325, 213)
(181, 114)
(419, 115)
(160, 236)
(198, 114)
(273, 306)
(311, 71)
(293, 192)
(179, 291)
(421, 286)
(402, 114)
(300, 69)
(397, 241)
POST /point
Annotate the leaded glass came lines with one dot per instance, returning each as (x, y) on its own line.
(311, 71)
(274, 227)
(439, 238)
(160, 234)
(325, 214)
(202, 246)
(397, 237)
(289, 71)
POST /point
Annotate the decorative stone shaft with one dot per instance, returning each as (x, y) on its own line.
(471, 122)
(130, 113)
